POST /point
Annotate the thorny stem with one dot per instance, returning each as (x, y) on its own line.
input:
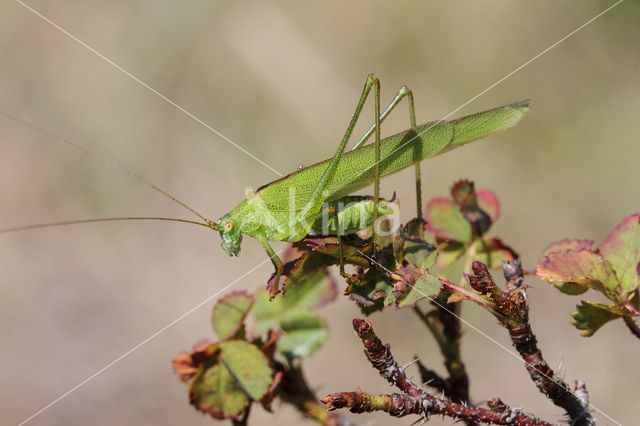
(447, 331)
(513, 313)
(415, 399)
(444, 324)
(399, 405)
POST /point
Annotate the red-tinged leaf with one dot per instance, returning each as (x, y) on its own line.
(372, 293)
(446, 221)
(214, 391)
(411, 228)
(488, 202)
(567, 244)
(464, 194)
(186, 364)
(316, 258)
(583, 267)
(492, 252)
(622, 249)
(591, 316)
(229, 314)
(424, 286)
(271, 393)
(248, 366)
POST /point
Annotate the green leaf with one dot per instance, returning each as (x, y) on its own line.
(622, 249)
(448, 255)
(492, 251)
(248, 366)
(372, 293)
(583, 267)
(420, 253)
(570, 288)
(267, 312)
(311, 293)
(590, 316)
(229, 314)
(304, 333)
(446, 221)
(426, 285)
(214, 391)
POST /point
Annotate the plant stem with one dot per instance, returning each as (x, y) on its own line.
(414, 400)
(633, 327)
(399, 405)
(513, 310)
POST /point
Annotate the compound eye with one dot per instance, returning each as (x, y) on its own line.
(228, 226)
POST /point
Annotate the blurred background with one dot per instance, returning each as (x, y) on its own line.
(281, 80)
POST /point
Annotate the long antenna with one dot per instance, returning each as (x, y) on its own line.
(140, 179)
(105, 219)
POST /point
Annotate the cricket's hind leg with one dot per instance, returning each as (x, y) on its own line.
(318, 197)
(402, 93)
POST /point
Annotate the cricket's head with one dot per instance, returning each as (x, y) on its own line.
(230, 234)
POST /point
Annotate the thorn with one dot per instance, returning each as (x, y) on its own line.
(427, 382)
(410, 363)
(560, 365)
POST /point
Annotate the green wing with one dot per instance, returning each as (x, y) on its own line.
(356, 168)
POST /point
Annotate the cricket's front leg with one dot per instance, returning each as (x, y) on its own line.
(402, 93)
(277, 263)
